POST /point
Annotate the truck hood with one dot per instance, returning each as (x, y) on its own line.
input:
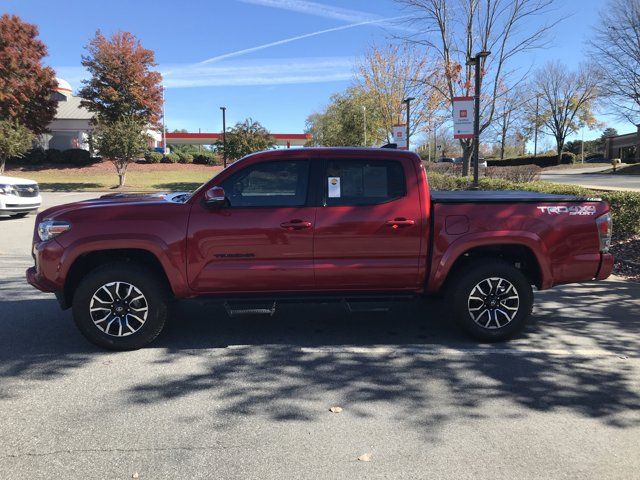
(116, 199)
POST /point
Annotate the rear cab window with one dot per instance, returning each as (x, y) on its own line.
(363, 182)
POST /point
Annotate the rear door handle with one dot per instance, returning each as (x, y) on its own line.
(296, 224)
(400, 222)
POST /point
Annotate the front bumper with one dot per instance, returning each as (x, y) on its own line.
(606, 266)
(37, 280)
(12, 204)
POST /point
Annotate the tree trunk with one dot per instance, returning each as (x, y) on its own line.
(2, 163)
(559, 147)
(503, 139)
(121, 180)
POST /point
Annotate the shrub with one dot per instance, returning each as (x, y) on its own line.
(541, 161)
(35, 156)
(520, 174)
(153, 157)
(625, 206)
(207, 158)
(185, 157)
(76, 156)
(171, 158)
(54, 155)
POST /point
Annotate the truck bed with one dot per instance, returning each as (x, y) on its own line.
(502, 196)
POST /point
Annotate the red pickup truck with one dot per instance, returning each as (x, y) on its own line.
(314, 224)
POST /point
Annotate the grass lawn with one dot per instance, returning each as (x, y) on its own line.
(103, 177)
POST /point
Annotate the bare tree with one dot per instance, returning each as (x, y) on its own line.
(566, 100)
(510, 114)
(458, 29)
(389, 75)
(616, 50)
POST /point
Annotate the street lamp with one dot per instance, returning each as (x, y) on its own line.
(364, 121)
(224, 136)
(164, 126)
(408, 102)
(476, 61)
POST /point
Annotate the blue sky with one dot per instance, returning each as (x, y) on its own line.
(246, 54)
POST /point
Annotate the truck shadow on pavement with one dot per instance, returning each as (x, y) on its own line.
(574, 356)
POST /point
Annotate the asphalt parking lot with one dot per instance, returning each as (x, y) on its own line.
(250, 397)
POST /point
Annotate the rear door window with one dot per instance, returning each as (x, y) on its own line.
(363, 182)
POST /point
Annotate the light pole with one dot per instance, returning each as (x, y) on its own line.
(476, 116)
(582, 145)
(224, 136)
(408, 102)
(535, 135)
(364, 121)
(164, 127)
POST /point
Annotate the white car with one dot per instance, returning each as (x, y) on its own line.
(18, 196)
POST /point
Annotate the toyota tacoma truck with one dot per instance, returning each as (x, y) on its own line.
(315, 224)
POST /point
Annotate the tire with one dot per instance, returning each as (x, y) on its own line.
(491, 299)
(131, 321)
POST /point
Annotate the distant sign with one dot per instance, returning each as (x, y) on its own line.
(400, 136)
(463, 117)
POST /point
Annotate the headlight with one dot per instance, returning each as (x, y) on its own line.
(8, 189)
(49, 229)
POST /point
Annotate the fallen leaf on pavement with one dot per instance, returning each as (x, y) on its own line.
(365, 457)
(135, 475)
(335, 409)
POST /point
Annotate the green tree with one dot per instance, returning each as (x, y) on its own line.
(15, 140)
(608, 132)
(342, 122)
(244, 138)
(122, 142)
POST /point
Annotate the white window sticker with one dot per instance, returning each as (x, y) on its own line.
(334, 187)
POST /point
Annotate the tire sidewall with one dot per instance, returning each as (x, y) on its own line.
(141, 279)
(464, 283)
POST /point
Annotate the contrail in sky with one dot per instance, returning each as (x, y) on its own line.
(298, 37)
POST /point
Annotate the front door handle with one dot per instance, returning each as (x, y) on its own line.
(400, 222)
(296, 224)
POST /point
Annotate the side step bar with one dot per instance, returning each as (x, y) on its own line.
(236, 308)
(267, 306)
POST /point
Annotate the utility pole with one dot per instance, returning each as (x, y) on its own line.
(364, 120)
(408, 102)
(224, 136)
(535, 135)
(477, 60)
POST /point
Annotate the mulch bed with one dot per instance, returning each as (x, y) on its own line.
(627, 255)
(107, 167)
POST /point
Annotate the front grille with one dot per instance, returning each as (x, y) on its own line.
(27, 190)
(22, 205)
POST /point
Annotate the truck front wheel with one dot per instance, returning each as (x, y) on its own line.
(491, 299)
(120, 306)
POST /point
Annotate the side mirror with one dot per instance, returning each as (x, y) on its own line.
(215, 197)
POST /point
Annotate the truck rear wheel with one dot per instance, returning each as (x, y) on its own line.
(491, 299)
(120, 306)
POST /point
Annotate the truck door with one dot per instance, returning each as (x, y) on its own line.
(262, 241)
(368, 227)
